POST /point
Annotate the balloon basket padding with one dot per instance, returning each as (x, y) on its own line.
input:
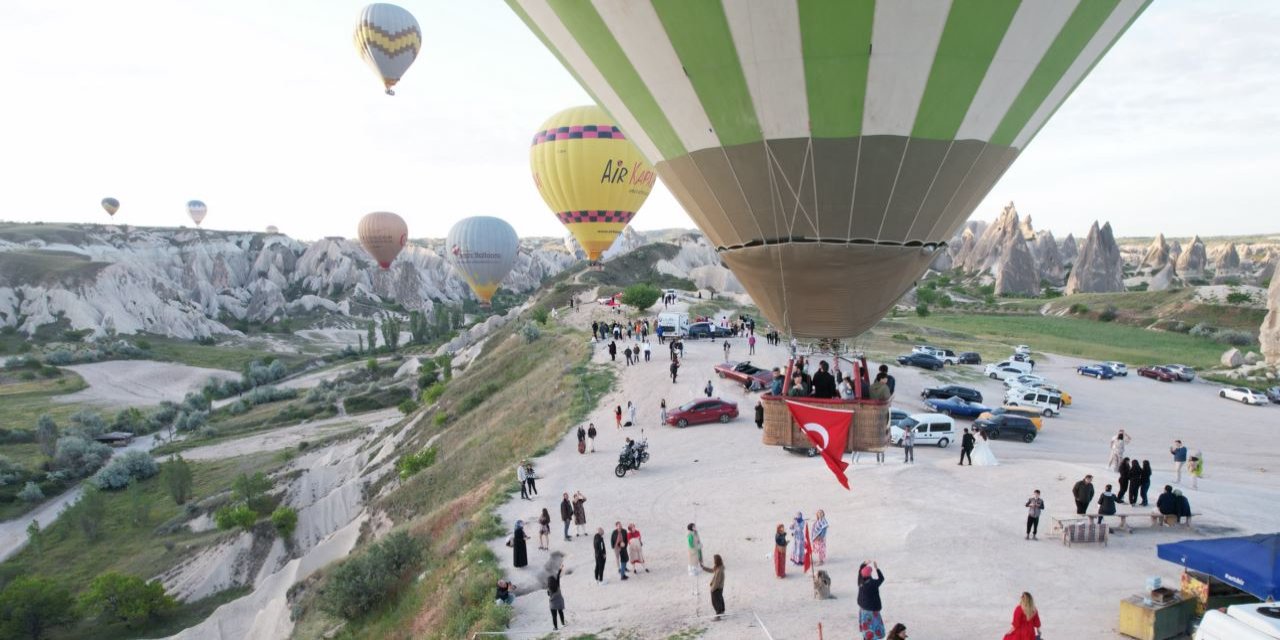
(870, 419)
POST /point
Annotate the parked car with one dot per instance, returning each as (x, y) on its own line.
(929, 428)
(970, 394)
(1022, 350)
(956, 406)
(1118, 368)
(897, 417)
(741, 372)
(1024, 380)
(707, 330)
(1023, 357)
(1049, 404)
(1029, 413)
(1156, 372)
(1022, 367)
(969, 357)
(1243, 395)
(1273, 394)
(1185, 373)
(1258, 621)
(1002, 373)
(1052, 388)
(1097, 371)
(928, 350)
(702, 410)
(920, 360)
(1007, 426)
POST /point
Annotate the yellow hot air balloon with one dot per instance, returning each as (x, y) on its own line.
(591, 176)
(383, 235)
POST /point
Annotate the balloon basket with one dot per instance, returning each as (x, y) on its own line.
(867, 433)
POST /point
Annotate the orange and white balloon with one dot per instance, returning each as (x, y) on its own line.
(383, 234)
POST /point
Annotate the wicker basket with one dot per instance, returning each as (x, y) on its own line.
(870, 419)
(779, 429)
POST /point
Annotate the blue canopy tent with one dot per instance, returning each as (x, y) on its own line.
(1250, 563)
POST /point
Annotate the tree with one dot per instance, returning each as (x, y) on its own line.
(391, 331)
(419, 328)
(139, 504)
(240, 515)
(89, 511)
(47, 435)
(131, 599)
(922, 309)
(31, 493)
(641, 296)
(30, 605)
(177, 477)
(250, 488)
(285, 520)
(371, 336)
(35, 537)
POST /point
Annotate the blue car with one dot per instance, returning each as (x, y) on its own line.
(957, 407)
(1098, 371)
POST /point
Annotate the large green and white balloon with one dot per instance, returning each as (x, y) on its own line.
(482, 249)
(828, 148)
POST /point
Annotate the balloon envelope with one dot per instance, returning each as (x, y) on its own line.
(591, 176)
(388, 39)
(271, 228)
(482, 250)
(197, 210)
(829, 149)
(383, 235)
(111, 205)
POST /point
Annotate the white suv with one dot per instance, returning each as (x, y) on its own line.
(1049, 404)
(929, 428)
(1118, 367)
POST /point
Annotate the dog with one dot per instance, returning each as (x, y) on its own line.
(822, 585)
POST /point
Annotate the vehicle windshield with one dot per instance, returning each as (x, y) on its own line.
(908, 423)
(689, 405)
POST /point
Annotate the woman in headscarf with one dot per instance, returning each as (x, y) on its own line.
(1025, 620)
(520, 554)
(797, 539)
(820, 525)
(870, 624)
(635, 548)
(780, 551)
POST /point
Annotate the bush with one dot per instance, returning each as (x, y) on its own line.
(1239, 297)
(251, 489)
(361, 583)
(378, 398)
(900, 337)
(922, 310)
(89, 511)
(1078, 308)
(408, 406)
(1203, 330)
(30, 605)
(88, 423)
(432, 393)
(79, 456)
(440, 418)
(411, 463)
(1108, 314)
(641, 296)
(285, 520)
(540, 315)
(124, 469)
(240, 515)
(1234, 338)
(31, 493)
(118, 597)
(530, 332)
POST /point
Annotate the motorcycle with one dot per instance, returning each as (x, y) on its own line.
(631, 458)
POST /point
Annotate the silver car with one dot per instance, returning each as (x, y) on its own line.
(1185, 373)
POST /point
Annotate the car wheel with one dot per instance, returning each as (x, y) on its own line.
(720, 373)
(1222, 394)
(994, 376)
(942, 444)
(1048, 413)
(682, 423)
(994, 434)
(724, 417)
(1028, 437)
(812, 453)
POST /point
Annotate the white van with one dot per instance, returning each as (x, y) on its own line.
(673, 323)
(929, 428)
(1049, 404)
(1241, 622)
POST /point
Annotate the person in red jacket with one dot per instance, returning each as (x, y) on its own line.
(1025, 620)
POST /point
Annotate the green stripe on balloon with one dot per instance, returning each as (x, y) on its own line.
(589, 30)
(835, 37)
(1075, 35)
(969, 41)
(699, 32)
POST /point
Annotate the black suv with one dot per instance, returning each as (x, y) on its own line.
(920, 360)
(969, 395)
(1008, 426)
(968, 357)
(707, 330)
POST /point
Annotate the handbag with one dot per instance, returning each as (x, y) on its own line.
(511, 540)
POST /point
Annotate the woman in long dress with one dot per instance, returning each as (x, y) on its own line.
(780, 551)
(695, 549)
(820, 537)
(1025, 620)
(635, 549)
(520, 554)
(982, 454)
(797, 539)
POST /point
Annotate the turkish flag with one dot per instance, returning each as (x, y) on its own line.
(808, 549)
(828, 430)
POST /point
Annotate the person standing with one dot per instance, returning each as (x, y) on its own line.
(797, 539)
(819, 539)
(597, 544)
(751, 345)
(1035, 506)
(1106, 503)
(1117, 450)
(726, 349)
(582, 440)
(591, 436)
(522, 478)
(759, 414)
(888, 379)
(1083, 494)
(1026, 620)
(1135, 480)
(775, 385)
(1197, 469)
(631, 414)
(780, 551)
(566, 514)
(579, 514)
(1179, 459)
(544, 530)
(647, 351)
(618, 540)
(662, 408)
(717, 584)
(909, 445)
(824, 384)
(675, 367)
(635, 549)
(1123, 468)
(1146, 480)
(530, 478)
(694, 542)
(613, 351)
(870, 624)
(708, 389)
(519, 552)
(617, 417)
(556, 598)
(966, 447)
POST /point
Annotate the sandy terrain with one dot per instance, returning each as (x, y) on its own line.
(286, 437)
(945, 536)
(121, 383)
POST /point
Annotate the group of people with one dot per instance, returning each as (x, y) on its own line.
(632, 353)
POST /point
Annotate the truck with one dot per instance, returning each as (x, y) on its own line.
(673, 323)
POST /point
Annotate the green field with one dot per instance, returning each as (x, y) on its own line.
(24, 401)
(229, 358)
(1087, 339)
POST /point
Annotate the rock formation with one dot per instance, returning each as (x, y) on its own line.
(1069, 250)
(1048, 257)
(1099, 268)
(1163, 279)
(1156, 257)
(1228, 260)
(1192, 262)
(1232, 358)
(960, 250)
(1269, 334)
(1028, 231)
(986, 249)
(1175, 251)
(1016, 270)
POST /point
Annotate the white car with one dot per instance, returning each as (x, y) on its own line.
(1024, 380)
(1002, 373)
(1241, 394)
(1048, 404)
(1022, 350)
(940, 354)
(929, 428)
(1118, 367)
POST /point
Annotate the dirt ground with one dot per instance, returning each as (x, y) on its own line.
(121, 383)
(945, 536)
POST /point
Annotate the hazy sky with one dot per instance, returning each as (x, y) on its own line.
(264, 110)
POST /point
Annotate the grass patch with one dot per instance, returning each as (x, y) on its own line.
(213, 356)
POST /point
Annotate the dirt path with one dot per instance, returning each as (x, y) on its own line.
(120, 383)
(286, 437)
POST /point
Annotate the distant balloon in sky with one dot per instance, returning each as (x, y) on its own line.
(383, 234)
(590, 175)
(389, 40)
(482, 250)
(827, 149)
(271, 228)
(111, 205)
(197, 210)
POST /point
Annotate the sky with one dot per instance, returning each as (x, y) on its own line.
(265, 111)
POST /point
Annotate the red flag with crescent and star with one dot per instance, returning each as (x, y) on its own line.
(828, 430)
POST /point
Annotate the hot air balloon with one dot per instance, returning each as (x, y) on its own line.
(111, 205)
(591, 176)
(482, 250)
(383, 235)
(389, 40)
(197, 210)
(829, 149)
(272, 229)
